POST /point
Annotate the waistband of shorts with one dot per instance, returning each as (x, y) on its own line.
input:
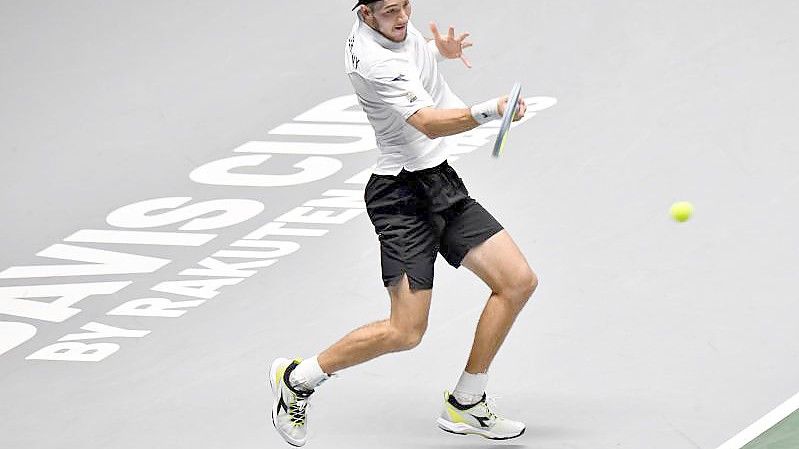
(404, 174)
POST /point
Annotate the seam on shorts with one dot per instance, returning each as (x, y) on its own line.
(411, 281)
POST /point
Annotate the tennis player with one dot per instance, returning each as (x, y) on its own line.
(419, 207)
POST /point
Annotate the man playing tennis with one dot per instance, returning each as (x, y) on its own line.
(419, 207)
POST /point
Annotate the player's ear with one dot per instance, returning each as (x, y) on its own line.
(366, 13)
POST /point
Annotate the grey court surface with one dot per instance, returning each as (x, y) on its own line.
(644, 333)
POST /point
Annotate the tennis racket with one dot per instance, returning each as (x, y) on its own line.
(507, 119)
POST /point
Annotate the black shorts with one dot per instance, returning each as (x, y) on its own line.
(418, 214)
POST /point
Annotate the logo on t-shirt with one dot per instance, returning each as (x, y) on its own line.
(411, 96)
(355, 60)
(401, 77)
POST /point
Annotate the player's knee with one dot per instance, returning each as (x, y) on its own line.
(523, 285)
(530, 283)
(406, 339)
(412, 340)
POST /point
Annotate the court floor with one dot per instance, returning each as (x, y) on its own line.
(781, 436)
(181, 202)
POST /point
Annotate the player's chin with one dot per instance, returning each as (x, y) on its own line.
(399, 33)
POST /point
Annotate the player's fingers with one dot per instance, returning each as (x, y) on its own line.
(466, 44)
(451, 34)
(434, 30)
(466, 62)
(520, 110)
(463, 37)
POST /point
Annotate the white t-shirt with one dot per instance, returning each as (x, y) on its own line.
(393, 80)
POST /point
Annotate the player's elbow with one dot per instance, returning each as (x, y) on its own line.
(427, 131)
(422, 121)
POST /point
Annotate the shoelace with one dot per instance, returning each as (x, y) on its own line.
(297, 410)
(490, 404)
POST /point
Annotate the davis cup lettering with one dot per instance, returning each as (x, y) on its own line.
(214, 267)
(472, 140)
(537, 104)
(13, 334)
(143, 214)
(219, 173)
(280, 252)
(359, 138)
(100, 262)
(155, 307)
(139, 237)
(96, 331)
(75, 352)
(17, 301)
(338, 119)
(247, 254)
(280, 229)
(202, 288)
(345, 199)
(308, 215)
(335, 110)
(280, 248)
(362, 177)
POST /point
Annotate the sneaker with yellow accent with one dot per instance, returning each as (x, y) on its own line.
(476, 419)
(288, 408)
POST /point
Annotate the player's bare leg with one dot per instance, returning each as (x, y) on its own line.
(500, 264)
(293, 382)
(402, 331)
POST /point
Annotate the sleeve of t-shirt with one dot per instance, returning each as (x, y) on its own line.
(431, 44)
(399, 87)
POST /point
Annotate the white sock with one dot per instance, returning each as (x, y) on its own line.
(308, 375)
(470, 388)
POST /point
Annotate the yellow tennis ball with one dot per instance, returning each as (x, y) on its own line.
(682, 211)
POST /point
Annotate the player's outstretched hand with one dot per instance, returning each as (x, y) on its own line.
(449, 46)
(503, 105)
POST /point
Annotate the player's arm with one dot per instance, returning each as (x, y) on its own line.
(436, 123)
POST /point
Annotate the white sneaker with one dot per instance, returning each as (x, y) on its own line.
(288, 408)
(477, 419)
